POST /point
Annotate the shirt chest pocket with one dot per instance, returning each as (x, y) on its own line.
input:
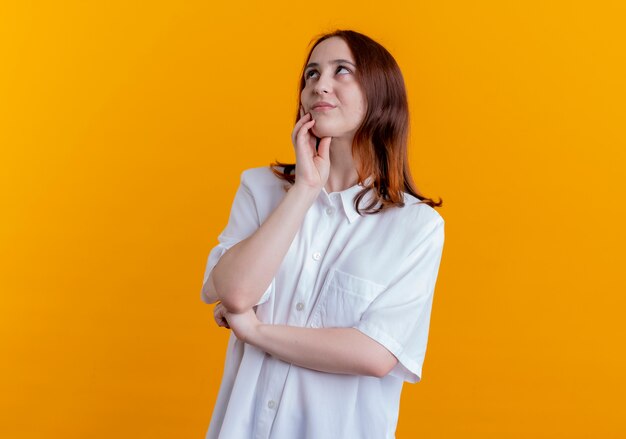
(343, 300)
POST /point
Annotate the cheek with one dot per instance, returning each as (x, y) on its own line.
(358, 103)
(306, 93)
(362, 104)
(359, 111)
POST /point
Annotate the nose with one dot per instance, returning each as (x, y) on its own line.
(322, 85)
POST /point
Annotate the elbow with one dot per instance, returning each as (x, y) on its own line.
(234, 298)
(384, 365)
(236, 303)
(378, 360)
(207, 295)
(204, 298)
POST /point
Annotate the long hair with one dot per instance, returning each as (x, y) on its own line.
(380, 143)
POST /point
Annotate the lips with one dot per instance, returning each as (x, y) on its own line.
(322, 106)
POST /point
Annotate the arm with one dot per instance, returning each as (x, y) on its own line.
(247, 268)
(333, 350)
(244, 271)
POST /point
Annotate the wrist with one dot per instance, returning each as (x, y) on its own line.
(254, 336)
(305, 191)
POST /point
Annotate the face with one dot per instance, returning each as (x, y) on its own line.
(330, 79)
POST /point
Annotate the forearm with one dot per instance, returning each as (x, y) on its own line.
(246, 269)
(333, 350)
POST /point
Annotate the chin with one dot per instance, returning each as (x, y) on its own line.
(323, 131)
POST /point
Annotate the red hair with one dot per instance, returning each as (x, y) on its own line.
(380, 143)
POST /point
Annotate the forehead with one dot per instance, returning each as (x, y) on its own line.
(329, 49)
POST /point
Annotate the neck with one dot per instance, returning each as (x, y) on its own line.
(343, 173)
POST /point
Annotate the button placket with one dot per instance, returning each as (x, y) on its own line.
(272, 394)
(325, 222)
(329, 211)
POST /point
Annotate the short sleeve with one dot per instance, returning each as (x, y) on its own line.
(399, 317)
(243, 221)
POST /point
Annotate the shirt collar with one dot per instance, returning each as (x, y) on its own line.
(347, 199)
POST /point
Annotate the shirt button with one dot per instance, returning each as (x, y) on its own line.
(330, 210)
(317, 256)
(300, 306)
(271, 404)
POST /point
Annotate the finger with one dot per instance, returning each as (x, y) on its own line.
(305, 129)
(304, 119)
(301, 111)
(323, 150)
(220, 319)
(218, 313)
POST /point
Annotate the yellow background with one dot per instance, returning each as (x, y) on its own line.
(124, 128)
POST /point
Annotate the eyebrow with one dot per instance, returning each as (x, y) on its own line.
(334, 61)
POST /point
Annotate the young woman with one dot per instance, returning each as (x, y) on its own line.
(327, 267)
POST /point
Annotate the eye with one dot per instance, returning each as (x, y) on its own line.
(307, 75)
(344, 68)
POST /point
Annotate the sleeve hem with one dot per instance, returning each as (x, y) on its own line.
(220, 249)
(407, 369)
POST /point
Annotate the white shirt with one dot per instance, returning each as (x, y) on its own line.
(375, 273)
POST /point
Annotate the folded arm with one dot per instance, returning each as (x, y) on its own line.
(333, 350)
